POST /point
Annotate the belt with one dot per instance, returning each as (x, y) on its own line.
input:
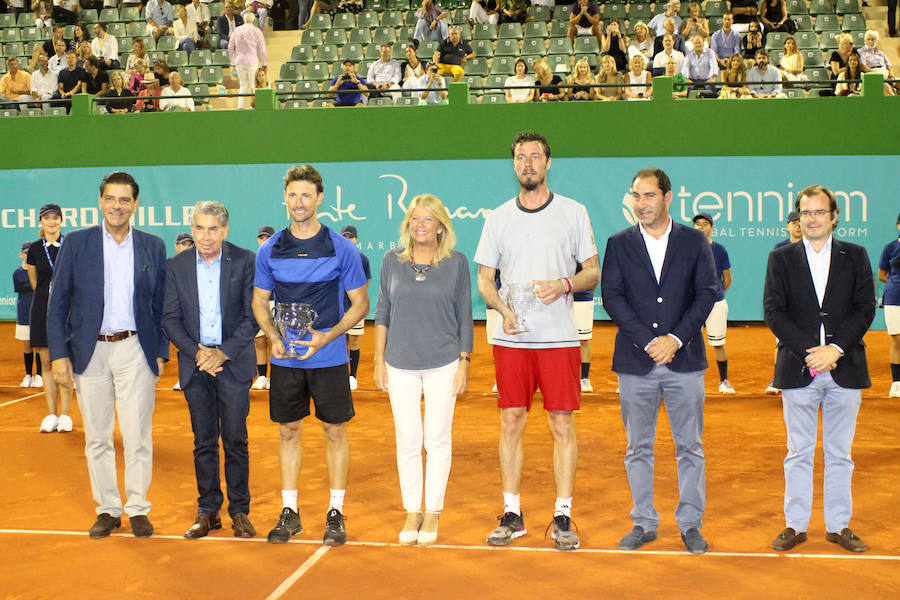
(115, 337)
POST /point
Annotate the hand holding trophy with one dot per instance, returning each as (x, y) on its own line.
(521, 300)
(293, 320)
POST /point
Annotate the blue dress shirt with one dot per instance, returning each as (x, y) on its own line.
(208, 295)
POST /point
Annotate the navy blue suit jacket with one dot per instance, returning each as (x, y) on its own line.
(181, 311)
(222, 25)
(75, 310)
(793, 314)
(644, 309)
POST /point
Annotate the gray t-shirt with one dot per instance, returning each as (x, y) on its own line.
(429, 322)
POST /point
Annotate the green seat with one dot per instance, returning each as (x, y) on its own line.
(177, 58)
(344, 21)
(318, 71)
(283, 89)
(404, 101)
(153, 56)
(290, 72)
(392, 18)
(150, 44)
(476, 66)
(32, 112)
(493, 98)
(859, 38)
(510, 30)
(320, 22)
(367, 19)
(560, 45)
(211, 75)
(8, 20)
(407, 32)
(558, 29)
(804, 22)
(828, 41)
(559, 63)
(398, 4)
(14, 49)
(352, 52)
(9, 112)
(55, 111)
(133, 13)
(590, 58)
(538, 13)
(88, 16)
(109, 15)
(335, 37)
(311, 38)
(641, 12)
(616, 10)
(473, 81)
(189, 74)
(384, 35)
(484, 31)
(495, 83)
(201, 58)
(117, 30)
(221, 58)
(427, 49)
(125, 45)
(827, 23)
(318, 103)
(361, 71)
(166, 43)
(715, 8)
(360, 36)
(818, 75)
(465, 32)
(821, 7)
(503, 65)
(197, 90)
(26, 18)
(797, 7)
(851, 22)
(398, 52)
(30, 34)
(373, 52)
(216, 10)
(132, 29)
(381, 101)
(507, 47)
(775, 40)
(536, 30)
(533, 47)
(812, 58)
(562, 12)
(306, 88)
(804, 39)
(483, 48)
(10, 35)
(292, 104)
(586, 44)
(377, 5)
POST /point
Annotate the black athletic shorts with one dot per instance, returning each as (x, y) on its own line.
(291, 390)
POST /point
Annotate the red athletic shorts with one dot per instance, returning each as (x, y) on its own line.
(521, 371)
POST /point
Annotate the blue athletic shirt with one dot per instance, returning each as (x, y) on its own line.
(316, 271)
(367, 270)
(722, 264)
(889, 256)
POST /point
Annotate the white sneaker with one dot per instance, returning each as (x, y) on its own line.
(260, 383)
(65, 424)
(771, 390)
(617, 390)
(26, 382)
(37, 381)
(494, 389)
(177, 386)
(353, 383)
(586, 385)
(268, 383)
(725, 387)
(895, 390)
(48, 425)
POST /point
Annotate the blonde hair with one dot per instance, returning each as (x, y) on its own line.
(607, 60)
(844, 38)
(446, 239)
(574, 74)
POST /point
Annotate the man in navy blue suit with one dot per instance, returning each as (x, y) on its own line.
(208, 316)
(658, 284)
(104, 329)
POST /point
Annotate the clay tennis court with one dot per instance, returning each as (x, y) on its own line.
(46, 506)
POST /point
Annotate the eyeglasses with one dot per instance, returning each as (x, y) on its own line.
(815, 213)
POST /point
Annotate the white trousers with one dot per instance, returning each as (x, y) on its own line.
(405, 389)
(478, 14)
(118, 380)
(246, 74)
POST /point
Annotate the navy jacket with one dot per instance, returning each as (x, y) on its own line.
(793, 314)
(644, 309)
(222, 25)
(181, 311)
(75, 310)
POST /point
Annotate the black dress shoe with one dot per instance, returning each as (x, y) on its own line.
(694, 542)
(788, 538)
(847, 539)
(203, 525)
(636, 538)
(104, 524)
(140, 526)
(242, 526)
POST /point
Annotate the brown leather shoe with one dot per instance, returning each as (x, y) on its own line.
(203, 525)
(104, 524)
(847, 539)
(242, 526)
(140, 526)
(788, 538)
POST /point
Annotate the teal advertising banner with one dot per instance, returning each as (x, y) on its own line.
(749, 198)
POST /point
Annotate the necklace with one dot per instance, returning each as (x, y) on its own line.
(420, 270)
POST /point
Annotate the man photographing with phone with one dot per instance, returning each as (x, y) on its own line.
(355, 86)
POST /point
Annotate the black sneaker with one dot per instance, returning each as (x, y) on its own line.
(511, 526)
(335, 534)
(562, 533)
(288, 525)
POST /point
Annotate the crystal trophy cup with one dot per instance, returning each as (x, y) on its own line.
(293, 319)
(521, 299)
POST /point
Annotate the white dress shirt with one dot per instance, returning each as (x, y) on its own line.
(108, 47)
(118, 286)
(656, 248)
(819, 265)
(44, 84)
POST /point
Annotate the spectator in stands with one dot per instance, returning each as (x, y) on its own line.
(185, 31)
(86, 53)
(744, 13)
(412, 68)
(260, 82)
(105, 47)
(160, 18)
(66, 11)
(513, 11)
(725, 41)
(247, 49)
(657, 23)
(584, 19)
(43, 13)
(668, 29)
(58, 61)
(43, 81)
(148, 100)
(518, 86)
(791, 64)
(700, 65)
(764, 81)
(318, 7)
(549, 82)
(138, 50)
(227, 23)
(97, 80)
(261, 9)
(609, 74)
(873, 58)
(853, 70)
(434, 90)
(71, 80)
(774, 17)
(432, 22)
(56, 36)
(640, 78)
(679, 83)
(614, 44)
(452, 54)
(734, 79)
(124, 99)
(668, 51)
(641, 43)
(694, 25)
(36, 52)
(581, 82)
(161, 72)
(484, 11)
(137, 83)
(15, 85)
(752, 43)
(80, 39)
(176, 97)
(198, 13)
(348, 88)
(384, 74)
(838, 60)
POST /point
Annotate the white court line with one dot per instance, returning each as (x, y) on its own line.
(306, 566)
(20, 399)
(213, 538)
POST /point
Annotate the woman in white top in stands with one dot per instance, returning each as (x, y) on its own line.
(853, 70)
(185, 31)
(484, 11)
(638, 75)
(138, 50)
(412, 68)
(642, 42)
(42, 10)
(609, 74)
(521, 80)
(791, 64)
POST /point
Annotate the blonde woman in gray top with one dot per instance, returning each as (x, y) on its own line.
(423, 338)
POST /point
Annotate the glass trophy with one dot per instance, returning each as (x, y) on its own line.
(293, 319)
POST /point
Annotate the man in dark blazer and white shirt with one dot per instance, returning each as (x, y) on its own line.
(819, 301)
(208, 316)
(658, 284)
(104, 328)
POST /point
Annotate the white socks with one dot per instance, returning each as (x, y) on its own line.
(289, 499)
(511, 503)
(337, 500)
(563, 507)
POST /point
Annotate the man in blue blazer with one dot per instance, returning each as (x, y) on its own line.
(819, 300)
(104, 328)
(658, 284)
(208, 316)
